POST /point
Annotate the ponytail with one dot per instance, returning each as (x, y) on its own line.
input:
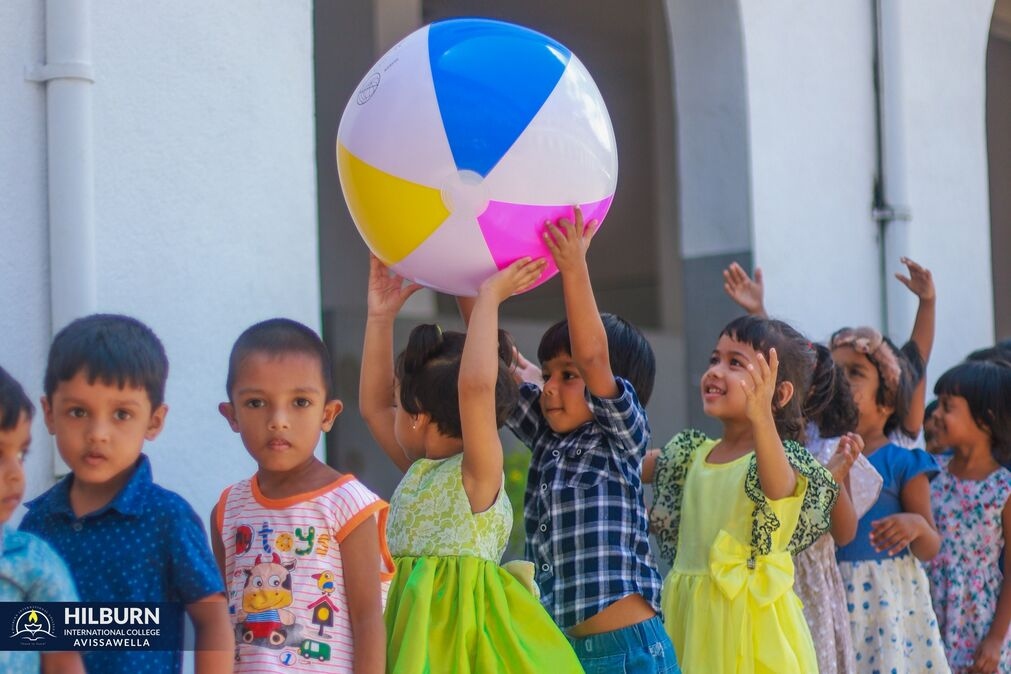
(428, 370)
(829, 404)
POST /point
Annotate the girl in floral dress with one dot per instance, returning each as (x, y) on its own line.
(891, 618)
(971, 503)
(451, 608)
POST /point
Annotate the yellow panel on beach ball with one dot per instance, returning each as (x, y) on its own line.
(393, 215)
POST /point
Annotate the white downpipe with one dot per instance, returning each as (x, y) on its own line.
(900, 302)
(68, 76)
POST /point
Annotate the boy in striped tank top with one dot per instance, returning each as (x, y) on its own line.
(302, 547)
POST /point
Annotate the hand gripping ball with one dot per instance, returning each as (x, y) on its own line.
(462, 141)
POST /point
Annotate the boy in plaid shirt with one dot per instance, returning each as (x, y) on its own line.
(585, 520)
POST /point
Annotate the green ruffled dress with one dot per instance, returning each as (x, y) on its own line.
(451, 607)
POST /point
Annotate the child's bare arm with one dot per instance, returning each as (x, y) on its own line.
(523, 369)
(360, 561)
(215, 639)
(921, 283)
(844, 514)
(748, 293)
(376, 388)
(62, 662)
(568, 242)
(649, 466)
(987, 656)
(479, 366)
(217, 547)
(914, 527)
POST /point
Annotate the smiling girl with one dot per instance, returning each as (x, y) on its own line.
(730, 512)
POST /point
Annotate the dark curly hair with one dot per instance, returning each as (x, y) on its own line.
(797, 361)
(428, 370)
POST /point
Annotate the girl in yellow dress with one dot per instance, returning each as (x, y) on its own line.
(729, 513)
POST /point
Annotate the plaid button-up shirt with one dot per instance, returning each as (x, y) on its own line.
(585, 520)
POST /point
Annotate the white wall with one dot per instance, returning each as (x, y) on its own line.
(944, 58)
(205, 202)
(812, 160)
(811, 106)
(24, 252)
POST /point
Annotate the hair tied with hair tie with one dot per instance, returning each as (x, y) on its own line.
(438, 329)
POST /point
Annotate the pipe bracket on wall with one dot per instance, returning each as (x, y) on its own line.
(890, 213)
(60, 71)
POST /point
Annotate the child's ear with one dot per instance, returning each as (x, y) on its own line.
(156, 423)
(785, 393)
(227, 410)
(47, 414)
(330, 412)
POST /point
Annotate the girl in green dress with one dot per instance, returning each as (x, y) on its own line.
(436, 414)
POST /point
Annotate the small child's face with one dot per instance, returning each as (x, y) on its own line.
(100, 428)
(723, 396)
(13, 447)
(563, 396)
(954, 424)
(279, 407)
(864, 381)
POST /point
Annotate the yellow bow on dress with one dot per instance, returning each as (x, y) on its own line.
(764, 580)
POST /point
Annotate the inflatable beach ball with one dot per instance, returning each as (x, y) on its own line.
(462, 141)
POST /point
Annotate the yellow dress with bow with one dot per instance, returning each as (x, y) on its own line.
(725, 611)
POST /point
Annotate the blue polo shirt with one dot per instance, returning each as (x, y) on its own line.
(29, 572)
(146, 545)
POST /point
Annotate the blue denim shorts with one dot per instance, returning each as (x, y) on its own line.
(643, 648)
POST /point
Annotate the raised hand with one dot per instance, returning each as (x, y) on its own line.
(387, 291)
(849, 448)
(515, 278)
(568, 241)
(760, 387)
(748, 293)
(524, 370)
(920, 281)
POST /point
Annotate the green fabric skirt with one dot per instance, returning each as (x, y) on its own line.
(464, 615)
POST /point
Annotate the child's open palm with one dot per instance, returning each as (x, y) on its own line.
(920, 281)
(387, 292)
(760, 387)
(747, 292)
(568, 241)
(846, 452)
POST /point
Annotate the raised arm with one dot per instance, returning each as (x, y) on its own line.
(568, 242)
(479, 367)
(775, 473)
(844, 515)
(377, 388)
(748, 293)
(921, 283)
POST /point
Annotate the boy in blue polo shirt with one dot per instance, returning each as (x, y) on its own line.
(124, 538)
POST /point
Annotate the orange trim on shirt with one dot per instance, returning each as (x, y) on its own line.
(384, 550)
(362, 515)
(220, 512)
(282, 503)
